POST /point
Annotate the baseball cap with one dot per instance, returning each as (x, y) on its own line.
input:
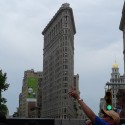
(113, 115)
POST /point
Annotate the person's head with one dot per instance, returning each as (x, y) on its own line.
(111, 117)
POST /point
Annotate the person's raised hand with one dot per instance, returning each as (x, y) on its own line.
(88, 122)
(74, 94)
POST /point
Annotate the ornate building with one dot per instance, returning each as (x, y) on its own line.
(117, 87)
(58, 65)
(116, 82)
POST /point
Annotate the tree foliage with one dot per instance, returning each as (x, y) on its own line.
(3, 87)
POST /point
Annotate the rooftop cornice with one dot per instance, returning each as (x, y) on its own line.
(63, 7)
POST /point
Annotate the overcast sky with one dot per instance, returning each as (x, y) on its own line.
(98, 43)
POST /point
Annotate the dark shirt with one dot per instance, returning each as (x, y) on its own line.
(99, 121)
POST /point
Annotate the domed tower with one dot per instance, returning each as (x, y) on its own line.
(115, 81)
(115, 75)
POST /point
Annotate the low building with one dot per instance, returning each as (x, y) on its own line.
(102, 106)
(28, 96)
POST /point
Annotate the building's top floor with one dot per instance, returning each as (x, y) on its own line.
(31, 72)
(64, 6)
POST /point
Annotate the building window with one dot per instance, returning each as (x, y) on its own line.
(56, 29)
(65, 60)
(65, 31)
(66, 18)
(64, 110)
(65, 73)
(66, 37)
(65, 66)
(65, 55)
(61, 24)
(65, 24)
(65, 85)
(50, 36)
(65, 78)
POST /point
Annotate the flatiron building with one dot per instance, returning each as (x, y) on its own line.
(58, 65)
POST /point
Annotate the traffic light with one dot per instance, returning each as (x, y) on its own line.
(108, 99)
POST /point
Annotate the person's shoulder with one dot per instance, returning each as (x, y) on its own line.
(99, 121)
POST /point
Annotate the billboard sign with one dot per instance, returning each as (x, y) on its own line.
(32, 83)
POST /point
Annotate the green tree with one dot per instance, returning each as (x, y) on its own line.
(3, 87)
